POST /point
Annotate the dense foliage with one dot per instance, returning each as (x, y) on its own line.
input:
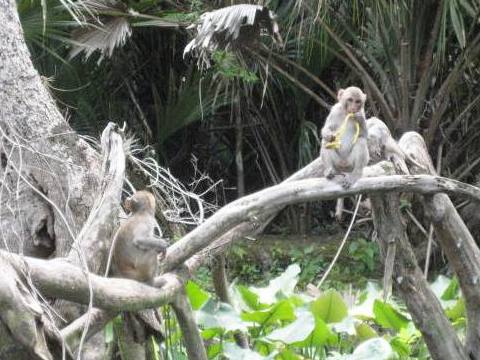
(286, 324)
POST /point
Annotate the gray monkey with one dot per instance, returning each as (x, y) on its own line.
(344, 148)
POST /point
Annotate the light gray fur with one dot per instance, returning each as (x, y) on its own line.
(350, 159)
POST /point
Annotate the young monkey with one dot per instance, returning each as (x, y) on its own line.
(344, 137)
(135, 246)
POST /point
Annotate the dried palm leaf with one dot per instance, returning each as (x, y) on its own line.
(103, 33)
(229, 28)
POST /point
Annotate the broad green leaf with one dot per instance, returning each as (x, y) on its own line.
(283, 310)
(296, 331)
(400, 346)
(320, 336)
(457, 311)
(365, 331)
(288, 354)
(234, 352)
(250, 298)
(347, 326)
(284, 284)
(214, 350)
(210, 333)
(388, 317)
(220, 315)
(364, 309)
(330, 307)
(373, 349)
(439, 286)
(196, 295)
(451, 293)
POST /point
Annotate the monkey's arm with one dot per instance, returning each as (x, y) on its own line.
(329, 129)
(362, 121)
(150, 243)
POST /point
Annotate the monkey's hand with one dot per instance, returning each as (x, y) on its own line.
(153, 243)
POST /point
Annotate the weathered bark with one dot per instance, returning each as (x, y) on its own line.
(457, 243)
(37, 144)
(91, 246)
(60, 279)
(426, 311)
(257, 225)
(220, 284)
(191, 335)
(269, 201)
(22, 315)
(49, 174)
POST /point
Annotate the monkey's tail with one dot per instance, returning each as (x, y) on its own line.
(342, 244)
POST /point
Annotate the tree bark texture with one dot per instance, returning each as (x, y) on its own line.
(457, 243)
(39, 147)
(191, 334)
(426, 311)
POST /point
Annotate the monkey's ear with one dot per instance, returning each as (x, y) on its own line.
(339, 94)
(364, 97)
(130, 204)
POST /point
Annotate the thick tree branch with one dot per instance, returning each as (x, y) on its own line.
(457, 243)
(268, 201)
(186, 319)
(59, 279)
(426, 311)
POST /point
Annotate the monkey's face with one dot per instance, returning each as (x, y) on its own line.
(352, 99)
(140, 201)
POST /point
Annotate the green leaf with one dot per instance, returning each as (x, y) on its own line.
(452, 291)
(155, 348)
(388, 317)
(330, 307)
(440, 285)
(296, 331)
(288, 354)
(400, 346)
(250, 298)
(196, 295)
(320, 336)
(220, 315)
(210, 333)
(364, 309)
(283, 310)
(457, 311)
(234, 352)
(377, 349)
(347, 326)
(365, 331)
(214, 350)
(109, 332)
(284, 284)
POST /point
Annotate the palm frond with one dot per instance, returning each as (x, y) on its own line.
(103, 32)
(104, 38)
(230, 27)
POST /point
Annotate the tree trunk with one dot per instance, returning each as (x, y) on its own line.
(41, 157)
(456, 241)
(426, 311)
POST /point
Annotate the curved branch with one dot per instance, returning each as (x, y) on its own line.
(60, 279)
(267, 201)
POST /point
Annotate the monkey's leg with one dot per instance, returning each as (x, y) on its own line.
(329, 163)
(359, 159)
